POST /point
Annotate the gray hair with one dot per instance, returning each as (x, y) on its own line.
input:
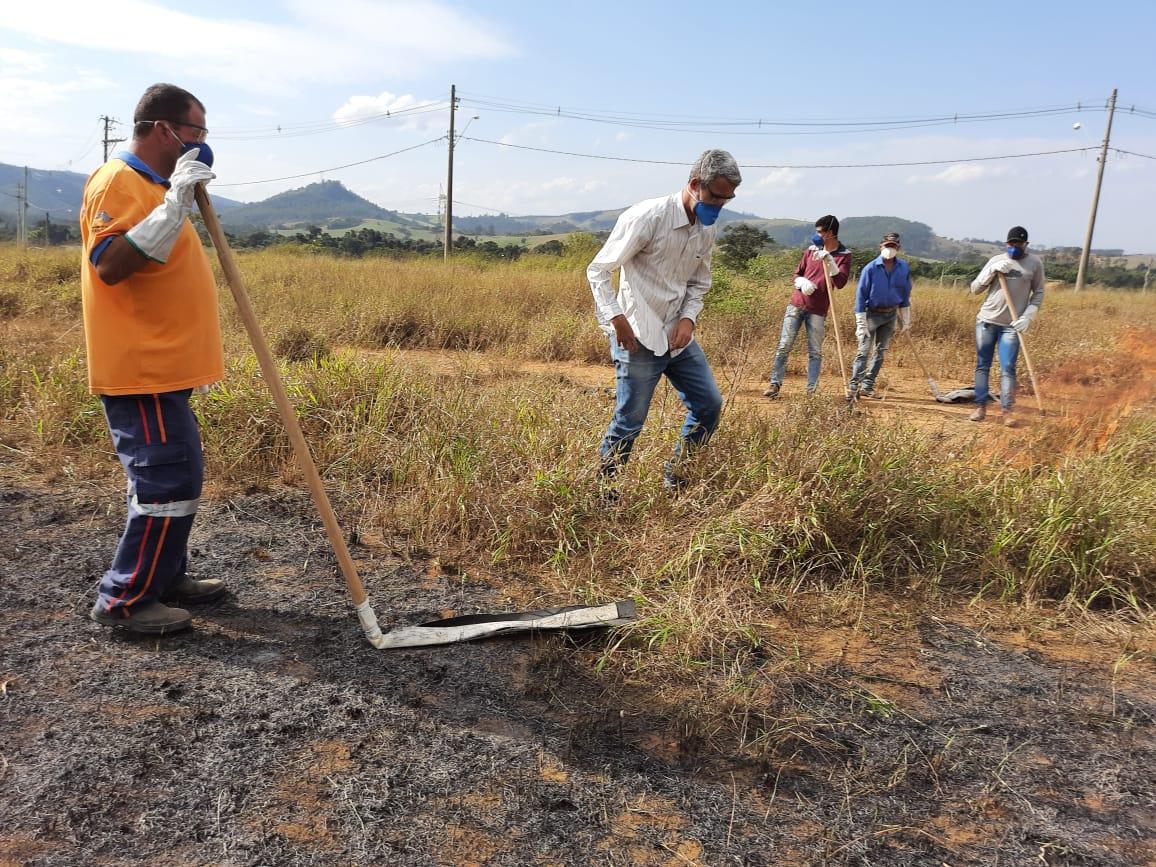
(716, 164)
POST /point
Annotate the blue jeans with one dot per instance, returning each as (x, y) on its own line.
(637, 374)
(159, 444)
(880, 330)
(793, 320)
(987, 338)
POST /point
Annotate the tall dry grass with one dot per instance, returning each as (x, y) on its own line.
(498, 470)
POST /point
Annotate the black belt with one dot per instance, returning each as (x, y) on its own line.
(881, 309)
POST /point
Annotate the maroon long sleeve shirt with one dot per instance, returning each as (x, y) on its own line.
(812, 268)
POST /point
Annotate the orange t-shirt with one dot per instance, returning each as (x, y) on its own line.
(157, 330)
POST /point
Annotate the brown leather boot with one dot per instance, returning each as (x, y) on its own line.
(979, 413)
(190, 590)
(151, 618)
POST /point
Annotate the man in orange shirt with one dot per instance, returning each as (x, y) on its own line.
(153, 337)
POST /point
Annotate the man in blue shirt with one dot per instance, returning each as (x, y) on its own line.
(882, 301)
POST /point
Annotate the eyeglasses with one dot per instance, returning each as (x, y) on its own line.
(718, 197)
(202, 132)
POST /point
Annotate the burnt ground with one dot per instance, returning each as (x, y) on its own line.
(273, 734)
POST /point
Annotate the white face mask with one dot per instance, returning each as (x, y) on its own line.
(889, 253)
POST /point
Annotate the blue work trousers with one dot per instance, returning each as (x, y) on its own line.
(159, 445)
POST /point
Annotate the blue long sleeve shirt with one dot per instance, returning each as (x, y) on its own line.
(877, 288)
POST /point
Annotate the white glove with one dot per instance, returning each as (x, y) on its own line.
(821, 253)
(831, 265)
(1007, 266)
(904, 318)
(804, 285)
(155, 235)
(1021, 324)
(861, 330)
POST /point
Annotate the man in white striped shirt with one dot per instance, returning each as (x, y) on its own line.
(663, 247)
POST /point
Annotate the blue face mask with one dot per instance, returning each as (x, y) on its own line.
(707, 214)
(817, 240)
(206, 153)
(1015, 252)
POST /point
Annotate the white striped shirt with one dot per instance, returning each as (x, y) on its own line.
(665, 262)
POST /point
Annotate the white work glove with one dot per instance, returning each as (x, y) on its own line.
(804, 285)
(1021, 324)
(904, 318)
(155, 235)
(1007, 266)
(861, 330)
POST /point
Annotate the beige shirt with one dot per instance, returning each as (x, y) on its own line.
(1025, 285)
(665, 262)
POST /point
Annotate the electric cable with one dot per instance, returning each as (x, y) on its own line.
(792, 166)
(333, 168)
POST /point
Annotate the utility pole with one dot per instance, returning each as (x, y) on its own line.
(109, 141)
(1083, 269)
(24, 211)
(47, 230)
(449, 237)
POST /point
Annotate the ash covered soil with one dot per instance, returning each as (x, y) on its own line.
(273, 734)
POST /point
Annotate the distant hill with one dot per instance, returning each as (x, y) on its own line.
(328, 204)
(58, 192)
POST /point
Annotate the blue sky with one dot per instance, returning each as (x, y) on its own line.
(332, 69)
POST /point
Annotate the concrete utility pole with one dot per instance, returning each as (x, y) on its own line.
(24, 210)
(449, 236)
(109, 141)
(1083, 269)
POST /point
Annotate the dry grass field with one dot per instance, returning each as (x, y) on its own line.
(883, 637)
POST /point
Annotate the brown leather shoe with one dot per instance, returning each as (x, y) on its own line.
(979, 413)
(152, 618)
(1009, 420)
(771, 391)
(190, 590)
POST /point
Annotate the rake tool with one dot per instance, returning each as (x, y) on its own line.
(931, 382)
(835, 321)
(438, 632)
(289, 419)
(1023, 345)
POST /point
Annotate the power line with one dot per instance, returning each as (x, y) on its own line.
(1134, 154)
(788, 166)
(764, 126)
(332, 169)
(282, 131)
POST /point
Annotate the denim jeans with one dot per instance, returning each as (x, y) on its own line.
(637, 375)
(880, 330)
(987, 338)
(793, 320)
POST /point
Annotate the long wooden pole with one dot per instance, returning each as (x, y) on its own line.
(1023, 345)
(835, 320)
(284, 407)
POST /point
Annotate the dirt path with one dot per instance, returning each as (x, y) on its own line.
(273, 734)
(1085, 399)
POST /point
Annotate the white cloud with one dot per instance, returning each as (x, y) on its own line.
(960, 173)
(335, 41)
(13, 60)
(23, 100)
(780, 178)
(416, 115)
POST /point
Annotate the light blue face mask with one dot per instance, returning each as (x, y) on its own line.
(707, 214)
